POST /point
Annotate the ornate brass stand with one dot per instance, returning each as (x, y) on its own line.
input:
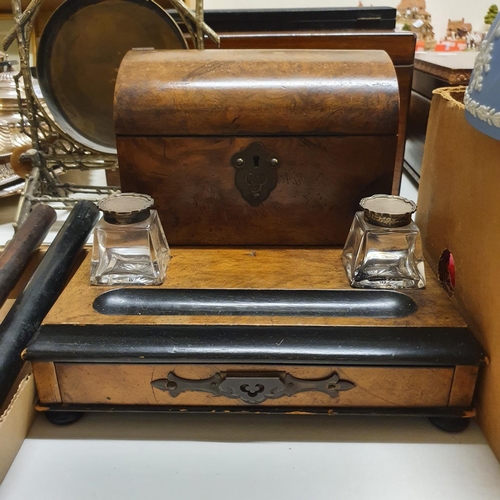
(55, 152)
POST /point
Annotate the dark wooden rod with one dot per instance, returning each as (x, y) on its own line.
(18, 251)
(49, 279)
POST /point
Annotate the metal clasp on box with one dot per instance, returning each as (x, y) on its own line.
(256, 175)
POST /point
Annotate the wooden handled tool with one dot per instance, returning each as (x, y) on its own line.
(18, 251)
(29, 309)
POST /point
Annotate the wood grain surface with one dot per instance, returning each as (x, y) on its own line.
(464, 382)
(19, 251)
(258, 92)
(256, 268)
(46, 382)
(450, 76)
(131, 385)
(399, 46)
(320, 181)
(328, 119)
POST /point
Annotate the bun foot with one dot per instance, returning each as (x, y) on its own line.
(450, 424)
(63, 417)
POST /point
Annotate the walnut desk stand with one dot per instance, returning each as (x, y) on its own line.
(255, 330)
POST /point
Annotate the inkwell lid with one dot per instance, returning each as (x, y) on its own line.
(126, 208)
(387, 210)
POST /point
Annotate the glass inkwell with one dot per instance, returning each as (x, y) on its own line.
(383, 248)
(130, 247)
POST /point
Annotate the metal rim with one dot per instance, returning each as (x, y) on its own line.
(396, 217)
(61, 18)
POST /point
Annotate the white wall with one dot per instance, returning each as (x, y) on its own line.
(441, 10)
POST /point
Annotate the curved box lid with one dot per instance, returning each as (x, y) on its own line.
(256, 92)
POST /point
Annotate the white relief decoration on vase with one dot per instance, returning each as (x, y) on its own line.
(484, 113)
(482, 66)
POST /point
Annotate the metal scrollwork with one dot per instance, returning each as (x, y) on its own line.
(253, 388)
(54, 151)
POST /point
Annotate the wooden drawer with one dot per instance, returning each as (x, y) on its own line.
(87, 358)
(278, 385)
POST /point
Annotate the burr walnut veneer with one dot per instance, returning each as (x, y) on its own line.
(407, 353)
(257, 147)
(400, 47)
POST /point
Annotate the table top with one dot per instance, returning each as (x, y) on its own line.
(453, 67)
(250, 457)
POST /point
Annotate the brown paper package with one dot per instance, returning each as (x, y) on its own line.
(459, 210)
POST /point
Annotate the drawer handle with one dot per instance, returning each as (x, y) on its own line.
(252, 388)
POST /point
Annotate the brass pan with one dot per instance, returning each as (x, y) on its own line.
(79, 54)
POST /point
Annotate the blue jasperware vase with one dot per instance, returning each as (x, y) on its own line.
(482, 97)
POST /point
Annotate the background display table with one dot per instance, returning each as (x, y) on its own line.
(432, 70)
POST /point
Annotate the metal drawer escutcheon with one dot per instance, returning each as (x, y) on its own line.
(251, 388)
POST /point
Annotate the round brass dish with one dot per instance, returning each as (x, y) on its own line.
(79, 54)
